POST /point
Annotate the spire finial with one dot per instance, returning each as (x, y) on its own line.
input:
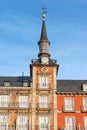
(44, 13)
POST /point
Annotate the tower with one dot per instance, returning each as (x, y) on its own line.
(43, 72)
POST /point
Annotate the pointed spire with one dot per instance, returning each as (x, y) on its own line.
(44, 42)
(43, 32)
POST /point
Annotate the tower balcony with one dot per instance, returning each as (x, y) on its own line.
(43, 87)
(43, 127)
(44, 106)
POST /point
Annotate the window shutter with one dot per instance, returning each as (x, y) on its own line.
(85, 103)
(85, 122)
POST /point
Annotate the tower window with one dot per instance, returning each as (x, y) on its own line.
(44, 122)
(44, 81)
(44, 101)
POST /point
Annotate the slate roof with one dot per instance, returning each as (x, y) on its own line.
(43, 32)
(15, 81)
(62, 85)
(70, 85)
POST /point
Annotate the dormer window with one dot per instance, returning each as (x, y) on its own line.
(84, 87)
(7, 83)
(25, 84)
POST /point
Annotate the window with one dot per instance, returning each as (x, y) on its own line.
(44, 101)
(84, 87)
(85, 104)
(4, 100)
(69, 104)
(7, 84)
(44, 81)
(25, 84)
(23, 102)
(3, 122)
(69, 123)
(85, 123)
(44, 122)
(22, 122)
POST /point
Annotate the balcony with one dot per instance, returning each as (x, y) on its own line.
(11, 127)
(44, 106)
(66, 109)
(43, 87)
(43, 127)
(15, 105)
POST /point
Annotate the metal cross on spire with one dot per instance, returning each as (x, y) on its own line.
(44, 12)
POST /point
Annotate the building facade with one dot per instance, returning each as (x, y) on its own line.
(40, 101)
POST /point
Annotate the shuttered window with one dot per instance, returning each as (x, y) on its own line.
(69, 123)
(22, 122)
(84, 104)
(4, 100)
(23, 102)
(69, 104)
(3, 122)
(44, 122)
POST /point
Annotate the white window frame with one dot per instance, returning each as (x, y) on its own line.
(44, 101)
(67, 106)
(44, 122)
(85, 123)
(84, 104)
(43, 81)
(4, 100)
(3, 121)
(22, 122)
(23, 101)
(70, 126)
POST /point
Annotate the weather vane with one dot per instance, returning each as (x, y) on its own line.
(44, 12)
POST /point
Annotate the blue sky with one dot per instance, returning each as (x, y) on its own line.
(20, 28)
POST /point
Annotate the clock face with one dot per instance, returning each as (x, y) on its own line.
(44, 60)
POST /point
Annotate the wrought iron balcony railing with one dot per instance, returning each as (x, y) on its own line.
(43, 86)
(43, 127)
(15, 105)
(45, 106)
(11, 127)
(66, 109)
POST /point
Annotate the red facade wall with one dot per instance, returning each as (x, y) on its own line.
(78, 113)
